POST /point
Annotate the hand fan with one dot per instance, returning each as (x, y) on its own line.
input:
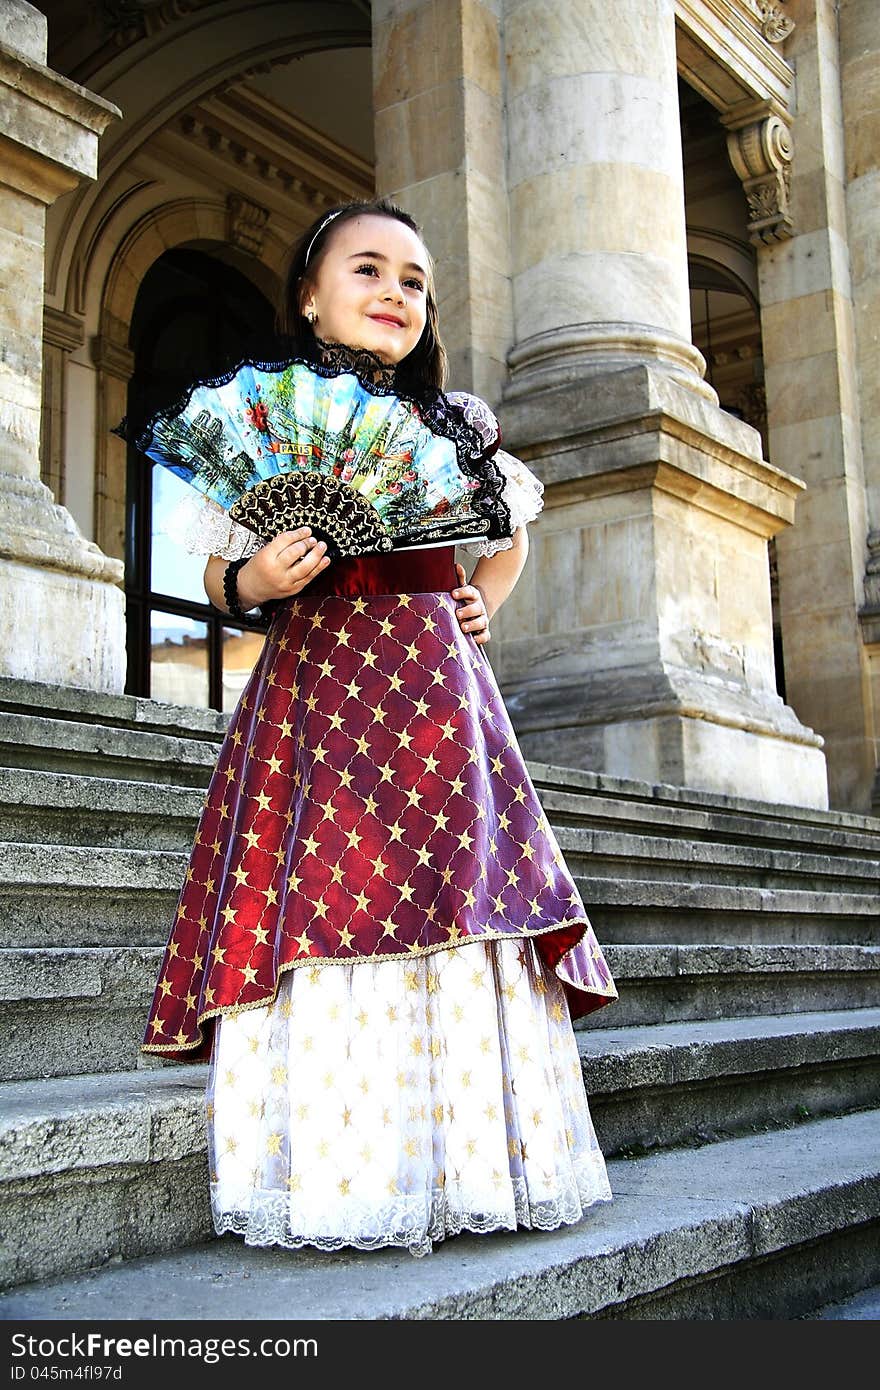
(298, 443)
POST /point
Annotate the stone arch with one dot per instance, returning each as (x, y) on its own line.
(176, 223)
(728, 254)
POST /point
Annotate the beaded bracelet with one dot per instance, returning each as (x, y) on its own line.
(230, 586)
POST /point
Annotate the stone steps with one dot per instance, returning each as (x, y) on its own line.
(591, 854)
(665, 1084)
(62, 808)
(860, 1307)
(56, 895)
(29, 741)
(76, 1152)
(67, 702)
(631, 828)
(762, 1226)
(667, 983)
(650, 913)
(69, 1010)
(743, 937)
(637, 889)
(592, 799)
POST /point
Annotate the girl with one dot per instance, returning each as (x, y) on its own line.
(378, 943)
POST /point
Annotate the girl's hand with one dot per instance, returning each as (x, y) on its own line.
(281, 568)
(473, 618)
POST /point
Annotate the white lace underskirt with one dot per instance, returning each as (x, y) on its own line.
(400, 1103)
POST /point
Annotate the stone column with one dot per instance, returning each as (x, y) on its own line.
(859, 22)
(812, 366)
(438, 107)
(596, 189)
(53, 580)
(639, 640)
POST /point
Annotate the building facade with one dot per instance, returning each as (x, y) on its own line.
(655, 225)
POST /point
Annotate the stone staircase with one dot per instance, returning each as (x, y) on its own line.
(735, 1086)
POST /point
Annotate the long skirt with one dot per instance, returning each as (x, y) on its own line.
(380, 948)
(397, 1104)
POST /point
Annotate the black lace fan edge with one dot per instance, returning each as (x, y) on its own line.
(441, 415)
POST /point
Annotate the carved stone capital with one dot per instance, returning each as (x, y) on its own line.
(65, 331)
(246, 224)
(761, 155)
(111, 357)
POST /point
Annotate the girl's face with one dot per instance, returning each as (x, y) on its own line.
(371, 287)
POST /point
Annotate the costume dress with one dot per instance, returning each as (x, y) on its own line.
(378, 944)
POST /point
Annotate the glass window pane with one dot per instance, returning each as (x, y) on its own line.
(173, 571)
(240, 652)
(178, 659)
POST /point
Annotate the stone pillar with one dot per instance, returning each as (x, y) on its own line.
(812, 383)
(62, 334)
(596, 189)
(53, 580)
(859, 67)
(114, 364)
(639, 640)
(438, 108)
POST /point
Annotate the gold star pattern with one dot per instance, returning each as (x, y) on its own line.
(372, 761)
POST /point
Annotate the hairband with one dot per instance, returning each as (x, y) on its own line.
(329, 218)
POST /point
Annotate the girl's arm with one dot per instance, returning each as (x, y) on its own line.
(493, 578)
(278, 570)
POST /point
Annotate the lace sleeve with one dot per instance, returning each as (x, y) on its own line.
(201, 527)
(523, 490)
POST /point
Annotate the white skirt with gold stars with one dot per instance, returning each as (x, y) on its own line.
(397, 1103)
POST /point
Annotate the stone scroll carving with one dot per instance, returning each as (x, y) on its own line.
(761, 155)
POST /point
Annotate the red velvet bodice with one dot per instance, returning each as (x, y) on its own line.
(403, 572)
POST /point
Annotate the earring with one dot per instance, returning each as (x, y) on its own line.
(311, 315)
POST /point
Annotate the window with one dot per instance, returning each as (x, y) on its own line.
(195, 316)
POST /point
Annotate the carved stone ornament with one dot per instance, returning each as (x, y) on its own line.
(752, 401)
(872, 574)
(129, 20)
(774, 24)
(246, 224)
(761, 155)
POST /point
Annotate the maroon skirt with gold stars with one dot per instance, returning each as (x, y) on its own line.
(370, 802)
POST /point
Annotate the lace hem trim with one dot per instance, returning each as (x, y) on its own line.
(267, 1222)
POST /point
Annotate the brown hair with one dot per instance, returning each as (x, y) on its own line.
(427, 364)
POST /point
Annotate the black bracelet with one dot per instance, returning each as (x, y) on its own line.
(230, 586)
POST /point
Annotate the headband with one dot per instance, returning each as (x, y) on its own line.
(329, 218)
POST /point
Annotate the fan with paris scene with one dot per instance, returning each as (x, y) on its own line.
(280, 445)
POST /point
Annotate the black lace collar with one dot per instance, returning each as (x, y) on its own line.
(366, 365)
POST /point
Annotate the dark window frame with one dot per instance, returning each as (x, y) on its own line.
(141, 599)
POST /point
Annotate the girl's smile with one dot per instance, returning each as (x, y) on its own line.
(370, 287)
